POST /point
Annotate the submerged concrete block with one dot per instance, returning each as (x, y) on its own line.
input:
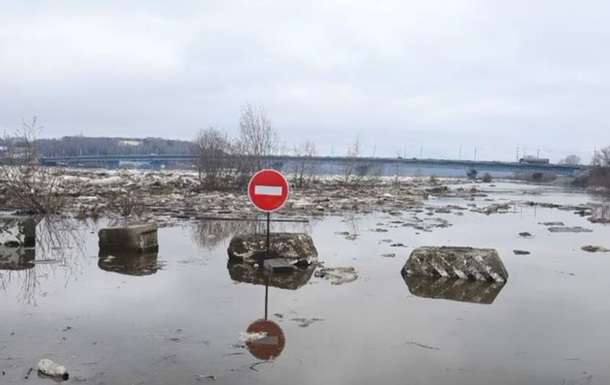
(454, 289)
(137, 264)
(248, 273)
(16, 231)
(296, 248)
(278, 265)
(126, 239)
(456, 262)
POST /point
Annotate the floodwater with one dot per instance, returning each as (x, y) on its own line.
(176, 317)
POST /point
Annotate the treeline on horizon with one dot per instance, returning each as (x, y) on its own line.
(82, 145)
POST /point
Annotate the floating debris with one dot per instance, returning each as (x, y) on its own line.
(575, 229)
(551, 223)
(52, 369)
(305, 322)
(338, 275)
(412, 343)
(594, 249)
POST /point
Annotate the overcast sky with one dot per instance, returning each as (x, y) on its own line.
(408, 77)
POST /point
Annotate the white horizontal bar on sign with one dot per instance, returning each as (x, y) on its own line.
(261, 189)
(268, 340)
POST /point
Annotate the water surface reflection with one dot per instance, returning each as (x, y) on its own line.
(248, 273)
(265, 338)
(212, 233)
(136, 264)
(452, 289)
(59, 246)
(16, 258)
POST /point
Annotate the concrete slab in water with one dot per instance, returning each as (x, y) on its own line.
(133, 238)
(456, 262)
(279, 265)
(298, 248)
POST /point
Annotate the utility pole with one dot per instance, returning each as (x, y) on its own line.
(460, 153)
(517, 158)
(475, 153)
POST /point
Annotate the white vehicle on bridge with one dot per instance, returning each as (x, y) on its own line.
(534, 160)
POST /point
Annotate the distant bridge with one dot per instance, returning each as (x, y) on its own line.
(328, 164)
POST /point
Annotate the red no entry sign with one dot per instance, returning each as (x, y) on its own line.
(268, 190)
(271, 345)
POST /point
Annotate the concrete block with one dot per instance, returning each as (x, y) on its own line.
(17, 231)
(296, 248)
(129, 239)
(456, 262)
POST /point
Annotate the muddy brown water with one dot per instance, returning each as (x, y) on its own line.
(176, 317)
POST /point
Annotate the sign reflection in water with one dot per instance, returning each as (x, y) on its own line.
(272, 344)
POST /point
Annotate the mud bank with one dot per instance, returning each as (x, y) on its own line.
(172, 196)
(178, 194)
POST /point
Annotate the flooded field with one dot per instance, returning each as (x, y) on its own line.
(179, 316)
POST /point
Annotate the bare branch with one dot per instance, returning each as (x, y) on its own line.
(25, 184)
(304, 167)
(571, 160)
(602, 157)
(257, 137)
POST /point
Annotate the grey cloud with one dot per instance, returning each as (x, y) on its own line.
(491, 75)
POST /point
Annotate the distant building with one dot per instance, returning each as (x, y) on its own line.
(130, 143)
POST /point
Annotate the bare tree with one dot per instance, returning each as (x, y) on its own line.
(358, 171)
(571, 160)
(304, 163)
(127, 205)
(239, 165)
(602, 157)
(212, 150)
(353, 153)
(397, 168)
(221, 161)
(26, 184)
(257, 137)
